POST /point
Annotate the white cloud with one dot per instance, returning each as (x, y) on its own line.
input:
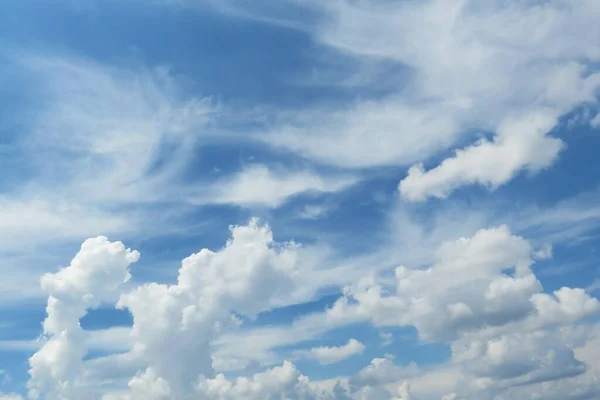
(23, 223)
(468, 68)
(244, 277)
(107, 138)
(147, 385)
(517, 359)
(465, 289)
(32, 231)
(90, 142)
(10, 396)
(314, 211)
(595, 122)
(367, 134)
(480, 284)
(481, 297)
(331, 355)
(594, 286)
(503, 330)
(93, 277)
(114, 123)
(281, 381)
(114, 339)
(519, 144)
(382, 371)
(259, 185)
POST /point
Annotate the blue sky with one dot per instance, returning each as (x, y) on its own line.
(384, 199)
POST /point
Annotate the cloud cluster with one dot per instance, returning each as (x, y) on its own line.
(480, 296)
(212, 292)
(494, 78)
(468, 69)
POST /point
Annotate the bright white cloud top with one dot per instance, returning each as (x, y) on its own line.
(347, 200)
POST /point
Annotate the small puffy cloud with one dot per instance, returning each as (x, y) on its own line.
(330, 355)
(260, 185)
(520, 143)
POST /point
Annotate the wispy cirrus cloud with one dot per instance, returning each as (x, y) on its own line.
(469, 68)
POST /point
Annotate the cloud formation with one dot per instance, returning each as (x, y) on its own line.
(469, 67)
(93, 277)
(356, 113)
(330, 355)
(481, 297)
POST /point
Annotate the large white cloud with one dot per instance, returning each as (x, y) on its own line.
(94, 276)
(480, 297)
(244, 278)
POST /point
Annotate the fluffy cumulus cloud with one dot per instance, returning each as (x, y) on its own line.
(520, 143)
(480, 297)
(94, 277)
(438, 94)
(482, 285)
(213, 290)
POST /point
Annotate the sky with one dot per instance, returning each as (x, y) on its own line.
(302, 200)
